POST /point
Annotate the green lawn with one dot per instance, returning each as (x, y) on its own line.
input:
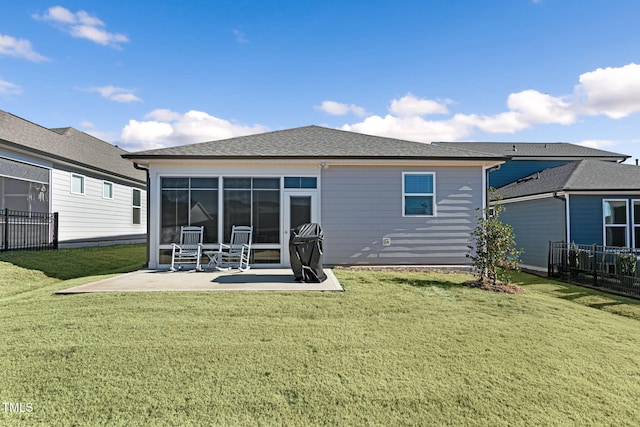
(394, 349)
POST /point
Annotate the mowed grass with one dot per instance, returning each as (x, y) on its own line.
(396, 348)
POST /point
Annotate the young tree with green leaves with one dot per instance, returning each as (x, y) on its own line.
(493, 248)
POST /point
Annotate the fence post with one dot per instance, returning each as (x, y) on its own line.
(5, 243)
(55, 230)
(595, 265)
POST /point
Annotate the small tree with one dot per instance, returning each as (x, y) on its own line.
(493, 246)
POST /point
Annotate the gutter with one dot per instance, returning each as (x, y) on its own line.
(148, 192)
(565, 198)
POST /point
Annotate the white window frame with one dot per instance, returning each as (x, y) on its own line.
(134, 207)
(432, 194)
(625, 225)
(82, 181)
(105, 185)
(634, 226)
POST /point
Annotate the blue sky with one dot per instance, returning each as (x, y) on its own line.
(147, 74)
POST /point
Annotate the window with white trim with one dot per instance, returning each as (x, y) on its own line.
(137, 207)
(77, 184)
(418, 193)
(107, 190)
(614, 214)
(635, 216)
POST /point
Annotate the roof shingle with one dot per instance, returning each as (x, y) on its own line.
(583, 175)
(313, 142)
(68, 145)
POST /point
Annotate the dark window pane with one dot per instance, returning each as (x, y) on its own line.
(300, 210)
(175, 213)
(237, 183)
(175, 182)
(237, 210)
(291, 182)
(211, 183)
(418, 184)
(308, 182)
(615, 212)
(636, 213)
(418, 205)
(204, 212)
(616, 236)
(136, 216)
(137, 198)
(266, 183)
(266, 217)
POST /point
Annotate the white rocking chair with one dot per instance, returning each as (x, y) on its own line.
(236, 254)
(189, 250)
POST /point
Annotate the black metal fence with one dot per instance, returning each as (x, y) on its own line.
(28, 230)
(611, 269)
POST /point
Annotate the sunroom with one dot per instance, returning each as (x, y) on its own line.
(272, 205)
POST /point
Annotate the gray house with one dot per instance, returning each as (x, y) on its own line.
(584, 202)
(380, 201)
(99, 196)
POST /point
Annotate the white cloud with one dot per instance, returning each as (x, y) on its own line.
(8, 88)
(614, 92)
(169, 128)
(20, 48)
(117, 94)
(338, 109)
(82, 25)
(409, 105)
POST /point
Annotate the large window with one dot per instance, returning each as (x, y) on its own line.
(189, 201)
(256, 202)
(615, 222)
(418, 194)
(23, 187)
(636, 223)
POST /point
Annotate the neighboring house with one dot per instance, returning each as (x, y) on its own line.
(585, 202)
(530, 157)
(99, 196)
(378, 200)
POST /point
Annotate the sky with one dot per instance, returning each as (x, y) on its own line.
(150, 74)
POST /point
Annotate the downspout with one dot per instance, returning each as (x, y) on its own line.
(148, 192)
(565, 199)
(487, 186)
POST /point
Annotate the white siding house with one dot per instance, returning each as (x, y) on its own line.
(379, 201)
(100, 198)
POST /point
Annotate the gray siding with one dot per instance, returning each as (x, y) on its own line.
(362, 205)
(535, 223)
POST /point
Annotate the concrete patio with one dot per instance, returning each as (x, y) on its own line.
(256, 279)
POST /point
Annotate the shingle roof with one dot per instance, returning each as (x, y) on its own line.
(536, 149)
(67, 145)
(313, 142)
(583, 175)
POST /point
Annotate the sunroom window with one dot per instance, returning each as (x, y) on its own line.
(189, 201)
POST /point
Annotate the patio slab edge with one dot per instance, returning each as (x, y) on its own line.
(257, 280)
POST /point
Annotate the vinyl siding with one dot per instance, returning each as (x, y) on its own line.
(90, 216)
(586, 217)
(535, 223)
(360, 206)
